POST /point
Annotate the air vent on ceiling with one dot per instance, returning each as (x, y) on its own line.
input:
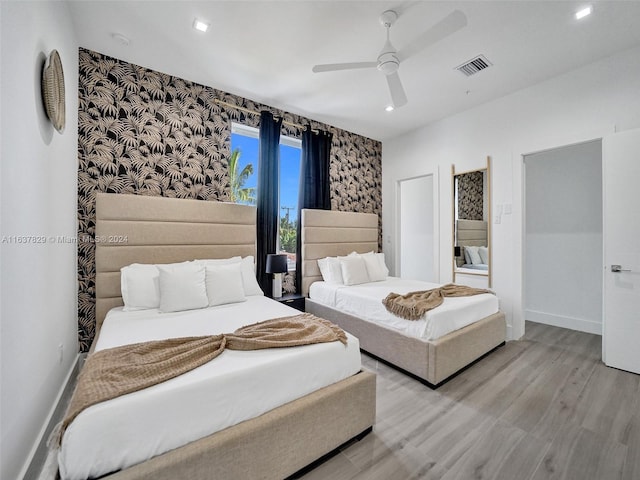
(474, 65)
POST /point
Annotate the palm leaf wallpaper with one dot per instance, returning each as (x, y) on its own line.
(147, 133)
(470, 195)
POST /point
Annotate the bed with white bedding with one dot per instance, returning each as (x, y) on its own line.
(224, 416)
(197, 403)
(448, 339)
(365, 300)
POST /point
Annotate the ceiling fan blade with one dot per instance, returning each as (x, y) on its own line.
(332, 67)
(398, 97)
(404, 6)
(450, 24)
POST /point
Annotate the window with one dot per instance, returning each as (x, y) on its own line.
(243, 173)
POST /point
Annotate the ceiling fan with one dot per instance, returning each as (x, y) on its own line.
(389, 59)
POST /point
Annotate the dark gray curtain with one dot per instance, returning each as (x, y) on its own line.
(268, 196)
(314, 189)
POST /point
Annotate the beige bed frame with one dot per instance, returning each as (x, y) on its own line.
(142, 229)
(329, 233)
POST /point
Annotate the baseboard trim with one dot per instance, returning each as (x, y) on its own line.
(40, 450)
(571, 323)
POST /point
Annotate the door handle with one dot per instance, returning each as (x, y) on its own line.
(618, 268)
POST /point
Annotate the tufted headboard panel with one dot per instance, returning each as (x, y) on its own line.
(142, 229)
(327, 233)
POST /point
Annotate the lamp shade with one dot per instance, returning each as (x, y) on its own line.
(276, 263)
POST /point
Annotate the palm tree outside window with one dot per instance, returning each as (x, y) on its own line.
(243, 175)
(238, 177)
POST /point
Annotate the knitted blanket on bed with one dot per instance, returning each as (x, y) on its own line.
(117, 371)
(413, 305)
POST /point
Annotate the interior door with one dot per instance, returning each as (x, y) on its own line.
(621, 333)
(416, 229)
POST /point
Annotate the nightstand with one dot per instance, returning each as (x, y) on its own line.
(295, 300)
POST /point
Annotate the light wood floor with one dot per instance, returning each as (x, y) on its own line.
(544, 407)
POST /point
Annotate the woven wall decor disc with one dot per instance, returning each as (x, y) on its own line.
(53, 90)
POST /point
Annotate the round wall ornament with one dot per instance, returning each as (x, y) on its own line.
(53, 90)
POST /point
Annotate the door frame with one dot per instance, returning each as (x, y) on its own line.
(516, 330)
(524, 218)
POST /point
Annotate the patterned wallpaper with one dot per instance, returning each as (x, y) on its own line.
(470, 195)
(147, 133)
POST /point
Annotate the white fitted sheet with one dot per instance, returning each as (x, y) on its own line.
(235, 386)
(365, 301)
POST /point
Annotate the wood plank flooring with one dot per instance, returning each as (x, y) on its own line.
(542, 408)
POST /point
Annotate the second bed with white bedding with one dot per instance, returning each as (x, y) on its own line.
(365, 301)
(236, 386)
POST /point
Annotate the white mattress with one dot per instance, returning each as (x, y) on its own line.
(365, 301)
(475, 267)
(235, 386)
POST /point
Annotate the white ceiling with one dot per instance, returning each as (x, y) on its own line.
(264, 50)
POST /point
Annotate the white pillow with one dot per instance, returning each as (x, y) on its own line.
(251, 286)
(354, 270)
(249, 281)
(224, 284)
(331, 270)
(383, 264)
(374, 268)
(474, 256)
(139, 287)
(208, 262)
(182, 287)
(484, 255)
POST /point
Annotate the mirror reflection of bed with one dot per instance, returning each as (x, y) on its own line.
(471, 246)
(471, 209)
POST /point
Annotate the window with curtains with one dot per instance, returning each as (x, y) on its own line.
(243, 175)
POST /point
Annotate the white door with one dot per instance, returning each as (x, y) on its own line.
(416, 229)
(621, 333)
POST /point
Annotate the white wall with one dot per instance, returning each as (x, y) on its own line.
(563, 237)
(581, 105)
(416, 228)
(38, 191)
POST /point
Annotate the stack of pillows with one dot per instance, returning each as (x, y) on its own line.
(354, 269)
(190, 285)
(476, 255)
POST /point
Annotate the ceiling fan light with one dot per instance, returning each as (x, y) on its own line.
(389, 108)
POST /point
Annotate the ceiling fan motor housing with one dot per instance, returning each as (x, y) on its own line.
(388, 63)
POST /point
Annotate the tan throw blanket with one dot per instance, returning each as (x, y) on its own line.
(117, 371)
(413, 305)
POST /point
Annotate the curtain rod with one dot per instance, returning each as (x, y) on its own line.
(253, 112)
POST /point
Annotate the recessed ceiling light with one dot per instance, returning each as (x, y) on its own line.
(200, 25)
(584, 12)
(388, 108)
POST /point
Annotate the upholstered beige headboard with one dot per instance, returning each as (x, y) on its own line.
(141, 229)
(471, 232)
(327, 233)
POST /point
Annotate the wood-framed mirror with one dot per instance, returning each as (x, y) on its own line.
(471, 208)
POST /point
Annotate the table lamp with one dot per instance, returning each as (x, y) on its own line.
(277, 265)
